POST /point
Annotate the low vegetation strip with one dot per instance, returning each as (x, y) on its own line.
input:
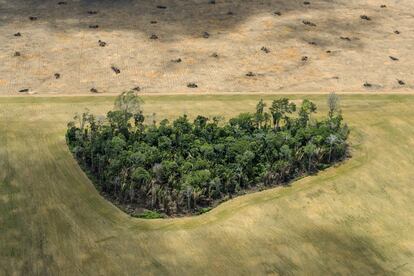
(187, 167)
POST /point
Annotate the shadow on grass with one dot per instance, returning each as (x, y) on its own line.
(338, 253)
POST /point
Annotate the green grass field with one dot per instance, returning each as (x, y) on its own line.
(354, 219)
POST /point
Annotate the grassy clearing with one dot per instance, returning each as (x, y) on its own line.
(353, 219)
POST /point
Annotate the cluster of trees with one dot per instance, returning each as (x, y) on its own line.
(182, 166)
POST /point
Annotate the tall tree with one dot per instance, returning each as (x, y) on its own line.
(259, 115)
(128, 102)
(306, 109)
(280, 109)
(333, 104)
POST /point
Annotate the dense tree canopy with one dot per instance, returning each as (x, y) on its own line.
(185, 165)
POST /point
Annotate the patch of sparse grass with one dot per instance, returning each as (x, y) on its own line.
(149, 214)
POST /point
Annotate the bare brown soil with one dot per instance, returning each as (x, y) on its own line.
(229, 46)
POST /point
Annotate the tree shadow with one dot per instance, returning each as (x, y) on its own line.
(219, 44)
(168, 18)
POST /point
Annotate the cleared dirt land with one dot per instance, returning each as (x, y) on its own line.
(355, 219)
(162, 46)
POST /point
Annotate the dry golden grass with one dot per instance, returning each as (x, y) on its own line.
(355, 219)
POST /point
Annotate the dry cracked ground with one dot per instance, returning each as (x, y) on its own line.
(91, 46)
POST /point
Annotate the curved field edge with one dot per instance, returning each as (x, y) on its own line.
(355, 218)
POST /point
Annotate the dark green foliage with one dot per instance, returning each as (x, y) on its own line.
(186, 166)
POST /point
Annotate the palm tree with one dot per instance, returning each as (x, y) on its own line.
(196, 194)
(310, 150)
(267, 118)
(189, 190)
(259, 113)
(331, 140)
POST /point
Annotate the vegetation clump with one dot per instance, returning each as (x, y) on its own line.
(188, 166)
